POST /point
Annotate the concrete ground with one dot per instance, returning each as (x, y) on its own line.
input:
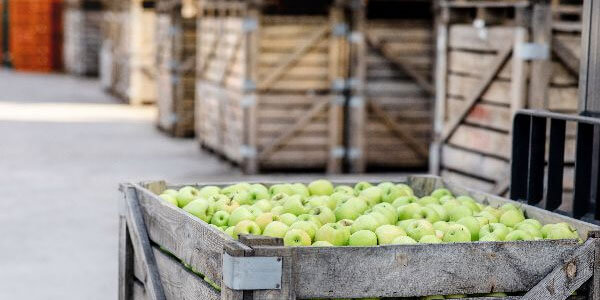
(64, 148)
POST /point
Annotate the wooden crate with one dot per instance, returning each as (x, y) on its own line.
(176, 63)
(481, 84)
(391, 109)
(128, 66)
(265, 84)
(82, 39)
(158, 241)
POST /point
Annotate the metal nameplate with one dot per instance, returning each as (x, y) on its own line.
(532, 51)
(252, 273)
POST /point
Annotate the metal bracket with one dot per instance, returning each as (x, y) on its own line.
(252, 273)
(248, 152)
(353, 82)
(482, 31)
(357, 101)
(340, 29)
(338, 85)
(532, 51)
(337, 152)
(356, 37)
(250, 24)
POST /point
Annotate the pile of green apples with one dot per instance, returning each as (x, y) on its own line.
(321, 214)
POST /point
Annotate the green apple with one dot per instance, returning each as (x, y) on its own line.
(385, 185)
(490, 237)
(169, 198)
(314, 201)
(322, 244)
(296, 237)
(439, 210)
(288, 218)
(209, 191)
(300, 189)
(405, 223)
(445, 199)
(338, 198)
(264, 205)
(407, 189)
(434, 297)
(240, 214)
(427, 213)
(439, 193)
(320, 187)
(441, 226)
(388, 210)
(512, 217)
(408, 211)
(518, 235)
(472, 224)
(226, 204)
(363, 238)
(242, 197)
(293, 205)
(390, 193)
(379, 217)
(278, 199)
(324, 214)
(470, 202)
(498, 229)
(400, 201)
(186, 195)
(419, 229)
(457, 296)
(439, 234)
(530, 228)
(276, 229)
(346, 224)
(307, 226)
(495, 295)
(482, 221)
(359, 187)
(387, 233)
(171, 192)
(259, 192)
(496, 212)
(232, 189)
(450, 204)
(423, 201)
(265, 219)
(404, 240)
(508, 206)
(344, 189)
(246, 227)
(458, 212)
(333, 233)
(282, 188)
(457, 233)
(372, 195)
(558, 232)
(364, 222)
(277, 210)
(533, 222)
(491, 217)
(255, 211)
(220, 218)
(229, 231)
(201, 208)
(351, 209)
(430, 239)
(311, 218)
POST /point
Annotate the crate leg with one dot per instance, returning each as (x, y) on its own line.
(125, 261)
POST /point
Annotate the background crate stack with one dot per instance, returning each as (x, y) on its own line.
(176, 68)
(391, 109)
(486, 73)
(36, 34)
(82, 36)
(114, 69)
(265, 83)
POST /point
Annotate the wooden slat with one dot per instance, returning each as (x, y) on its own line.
(482, 140)
(484, 114)
(474, 163)
(126, 259)
(568, 58)
(476, 268)
(467, 180)
(467, 37)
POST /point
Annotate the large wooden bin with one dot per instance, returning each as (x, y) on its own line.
(114, 67)
(159, 242)
(176, 69)
(495, 58)
(266, 83)
(391, 109)
(82, 36)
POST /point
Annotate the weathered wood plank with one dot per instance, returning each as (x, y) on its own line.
(126, 258)
(467, 268)
(466, 36)
(474, 163)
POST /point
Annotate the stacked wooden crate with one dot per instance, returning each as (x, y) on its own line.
(82, 37)
(128, 50)
(495, 58)
(391, 108)
(266, 74)
(36, 35)
(176, 68)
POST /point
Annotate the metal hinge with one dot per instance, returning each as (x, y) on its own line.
(337, 152)
(354, 153)
(357, 101)
(482, 31)
(532, 51)
(338, 85)
(252, 273)
(340, 29)
(247, 151)
(356, 37)
(250, 24)
(353, 82)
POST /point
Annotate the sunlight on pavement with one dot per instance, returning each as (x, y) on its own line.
(74, 112)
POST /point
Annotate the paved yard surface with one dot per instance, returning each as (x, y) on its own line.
(64, 148)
